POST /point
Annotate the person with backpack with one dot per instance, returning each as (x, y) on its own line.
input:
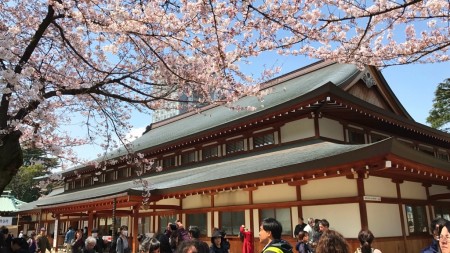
(122, 242)
(270, 233)
(32, 246)
(42, 242)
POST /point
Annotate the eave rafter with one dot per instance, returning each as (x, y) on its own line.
(82, 207)
(350, 170)
(403, 169)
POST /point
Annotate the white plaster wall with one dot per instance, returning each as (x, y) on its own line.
(329, 188)
(196, 201)
(331, 129)
(229, 198)
(255, 222)
(171, 201)
(379, 186)
(412, 190)
(296, 130)
(247, 218)
(384, 219)
(208, 222)
(438, 189)
(343, 218)
(274, 193)
(294, 218)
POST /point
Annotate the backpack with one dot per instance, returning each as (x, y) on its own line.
(32, 245)
(112, 248)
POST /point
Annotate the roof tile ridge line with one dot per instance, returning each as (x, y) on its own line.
(288, 76)
(184, 115)
(296, 73)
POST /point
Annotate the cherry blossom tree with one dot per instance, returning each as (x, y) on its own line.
(100, 59)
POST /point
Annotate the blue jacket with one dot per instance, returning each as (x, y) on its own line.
(432, 248)
(70, 236)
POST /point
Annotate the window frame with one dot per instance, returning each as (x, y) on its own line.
(192, 219)
(416, 220)
(287, 228)
(351, 131)
(209, 148)
(263, 135)
(234, 142)
(232, 226)
(189, 155)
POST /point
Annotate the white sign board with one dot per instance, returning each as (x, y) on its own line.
(372, 198)
(6, 221)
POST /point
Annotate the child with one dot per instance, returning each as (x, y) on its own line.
(302, 242)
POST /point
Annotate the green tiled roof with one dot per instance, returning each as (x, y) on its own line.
(278, 161)
(9, 203)
(221, 115)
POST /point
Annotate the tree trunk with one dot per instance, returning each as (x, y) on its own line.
(11, 158)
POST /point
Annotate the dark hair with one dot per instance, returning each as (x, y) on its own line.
(324, 223)
(365, 238)
(332, 242)
(195, 231)
(4, 230)
(185, 246)
(272, 225)
(123, 227)
(436, 225)
(21, 242)
(301, 235)
(447, 225)
(173, 226)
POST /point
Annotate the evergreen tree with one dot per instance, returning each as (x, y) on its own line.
(440, 113)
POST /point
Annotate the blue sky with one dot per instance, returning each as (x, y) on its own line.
(414, 85)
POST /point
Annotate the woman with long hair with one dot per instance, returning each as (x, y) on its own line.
(365, 238)
(332, 242)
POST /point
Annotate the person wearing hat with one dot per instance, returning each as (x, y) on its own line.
(100, 245)
(216, 243)
(42, 242)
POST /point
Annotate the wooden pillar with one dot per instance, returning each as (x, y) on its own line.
(55, 238)
(361, 202)
(400, 208)
(90, 222)
(135, 217)
(212, 213)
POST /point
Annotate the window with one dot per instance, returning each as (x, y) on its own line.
(123, 173)
(356, 136)
(283, 215)
(144, 225)
(234, 147)
(442, 212)
(377, 137)
(110, 176)
(417, 219)
(78, 184)
(199, 220)
(263, 140)
(426, 149)
(442, 155)
(87, 181)
(209, 152)
(188, 157)
(164, 220)
(232, 221)
(169, 162)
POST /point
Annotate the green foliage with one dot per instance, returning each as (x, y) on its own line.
(22, 185)
(440, 114)
(36, 164)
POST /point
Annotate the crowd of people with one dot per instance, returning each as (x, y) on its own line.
(312, 237)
